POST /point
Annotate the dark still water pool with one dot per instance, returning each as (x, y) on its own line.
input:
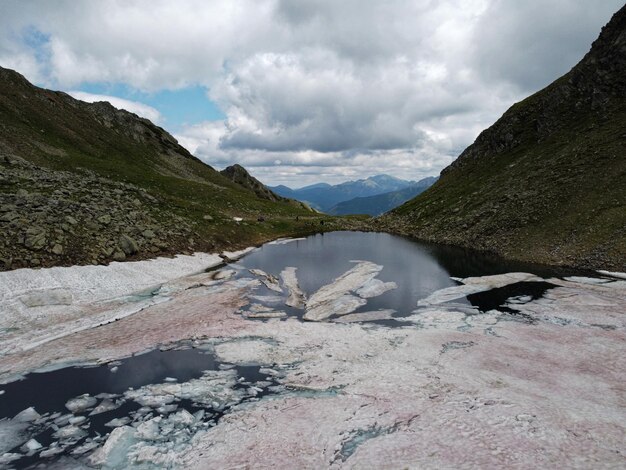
(418, 269)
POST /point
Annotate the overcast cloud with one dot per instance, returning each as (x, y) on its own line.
(318, 90)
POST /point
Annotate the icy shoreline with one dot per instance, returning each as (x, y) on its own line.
(43, 305)
(450, 386)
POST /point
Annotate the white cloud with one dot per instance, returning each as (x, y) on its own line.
(329, 88)
(136, 107)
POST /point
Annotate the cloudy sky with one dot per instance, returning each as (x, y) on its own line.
(303, 91)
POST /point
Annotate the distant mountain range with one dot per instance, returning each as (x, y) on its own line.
(326, 197)
(381, 203)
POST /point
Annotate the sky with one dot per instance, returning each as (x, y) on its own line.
(305, 91)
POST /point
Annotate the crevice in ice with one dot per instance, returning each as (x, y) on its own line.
(452, 345)
(358, 437)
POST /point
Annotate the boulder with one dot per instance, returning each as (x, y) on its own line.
(105, 219)
(128, 245)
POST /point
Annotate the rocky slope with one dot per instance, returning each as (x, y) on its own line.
(88, 183)
(546, 182)
(239, 175)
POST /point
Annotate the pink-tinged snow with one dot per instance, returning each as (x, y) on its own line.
(456, 390)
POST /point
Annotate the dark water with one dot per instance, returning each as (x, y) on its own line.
(48, 392)
(417, 268)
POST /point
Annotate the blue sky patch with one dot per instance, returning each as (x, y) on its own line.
(179, 108)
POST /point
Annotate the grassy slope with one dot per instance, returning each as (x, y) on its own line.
(54, 131)
(547, 182)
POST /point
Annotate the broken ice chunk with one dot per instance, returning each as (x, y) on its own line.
(296, 298)
(267, 299)
(374, 288)
(54, 449)
(182, 417)
(333, 299)
(104, 406)
(271, 282)
(31, 446)
(70, 432)
(77, 420)
(115, 450)
(473, 285)
(165, 409)
(12, 434)
(339, 306)
(117, 422)
(84, 448)
(81, 403)
(27, 415)
(266, 314)
(63, 419)
(261, 311)
(9, 457)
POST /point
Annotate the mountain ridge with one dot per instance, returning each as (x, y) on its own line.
(546, 182)
(323, 196)
(87, 183)
(381, 203)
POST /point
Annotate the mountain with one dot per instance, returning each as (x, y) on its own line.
(323, 196)
(88, 183)
(238, 174)
(381, 203)
(547, 182)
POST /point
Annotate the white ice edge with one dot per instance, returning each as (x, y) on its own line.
(284, 241)
(614, 274)
(235, 255)
(97, 283)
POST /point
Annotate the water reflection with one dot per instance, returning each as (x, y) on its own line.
(418, 269)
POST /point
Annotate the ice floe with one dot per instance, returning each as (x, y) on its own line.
(385, 314)
(334, 298)
(114, 451)
(93, 283)
(345, 303)
(213, 389)
(12, 434)
(270, 281)
(473, 285)
(42, 305)
(297, 298)
(374, 288)
(81, 403)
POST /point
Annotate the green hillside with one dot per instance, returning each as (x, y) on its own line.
(546, 182)
(87, 183)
